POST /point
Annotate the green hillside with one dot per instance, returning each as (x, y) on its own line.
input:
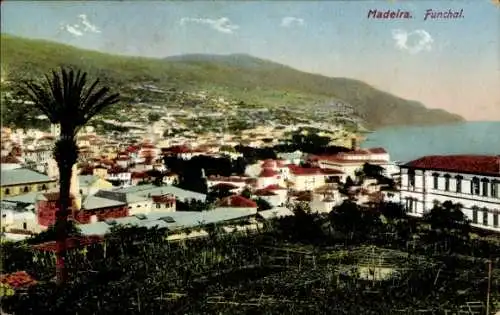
(240, 77)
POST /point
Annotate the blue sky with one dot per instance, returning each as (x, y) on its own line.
(450, 64)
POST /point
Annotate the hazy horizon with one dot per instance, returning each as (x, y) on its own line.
(447, 64)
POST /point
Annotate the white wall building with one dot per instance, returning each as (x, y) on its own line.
(350, 162)
(471, 180)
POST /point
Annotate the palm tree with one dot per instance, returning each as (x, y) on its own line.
(66, 99)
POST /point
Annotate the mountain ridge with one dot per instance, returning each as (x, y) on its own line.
(241, 76)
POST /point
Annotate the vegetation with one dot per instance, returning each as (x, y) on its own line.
(295, 265)
(66, 99)
(271, 84)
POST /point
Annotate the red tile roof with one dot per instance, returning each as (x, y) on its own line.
(237, 201)
(139, 175)
(177, 149)
(475, 164)
(274, 187)
(224, 186)
(304, 171)
(377, 150)
(132, 149)
(267, 172)
(264, 192)
(269, 164)
(281, 163)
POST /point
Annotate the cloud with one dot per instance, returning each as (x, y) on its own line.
(81, 27)
(73, 29)
(290, 21)
(413, 42)
(223, 24)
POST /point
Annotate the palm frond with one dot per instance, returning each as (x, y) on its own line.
(65, 98)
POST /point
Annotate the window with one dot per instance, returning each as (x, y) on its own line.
(158, 206)
(494, 189)
(26, 189)
(474, 215)
(7, 191)
(409, 205)
(447, 182)
(459, 183)
(495, 219)
(411, 178)
(25, 226)
(44, 187)
(475, 186)
(485, 217)
(436, 180)
(486, 184)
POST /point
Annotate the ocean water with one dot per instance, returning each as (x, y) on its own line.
(407, 143)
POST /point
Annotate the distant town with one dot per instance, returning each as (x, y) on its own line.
(135, 171)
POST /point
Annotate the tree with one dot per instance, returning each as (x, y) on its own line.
(347, 219)
(68, 100)
(263, 204)
(246, 192)
(153, 117)
(448, 224)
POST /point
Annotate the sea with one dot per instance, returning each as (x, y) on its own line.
(407, 143)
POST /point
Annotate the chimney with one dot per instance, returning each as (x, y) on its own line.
(354, 144)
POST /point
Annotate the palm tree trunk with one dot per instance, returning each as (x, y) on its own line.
(65, 172)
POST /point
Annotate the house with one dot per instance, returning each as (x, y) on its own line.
(146, 198)
(90, 184)
(236, 181)
(117, 174)
(18, 219)
(471, 180)
(237, 201)
(306, 178)
(22, 180)
(351, 162)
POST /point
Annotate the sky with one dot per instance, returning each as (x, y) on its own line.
(453, 64)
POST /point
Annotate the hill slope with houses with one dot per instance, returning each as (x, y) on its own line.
(247, 80)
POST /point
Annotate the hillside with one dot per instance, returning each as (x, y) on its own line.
(240, 77)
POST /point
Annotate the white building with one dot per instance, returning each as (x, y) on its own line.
(350, 162)
(471, 180)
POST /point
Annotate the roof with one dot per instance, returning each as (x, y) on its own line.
(177, 220)
(29, 198)
(94, 202)
(87, 180)
(143, 191)
(269, 163)
(267, 172)
(21, 176)
(304, 171)
(475, 164)
(237, 201)
(224, 186)
(377, 150)
(278, 212)
(264, 192)
(274, 187)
